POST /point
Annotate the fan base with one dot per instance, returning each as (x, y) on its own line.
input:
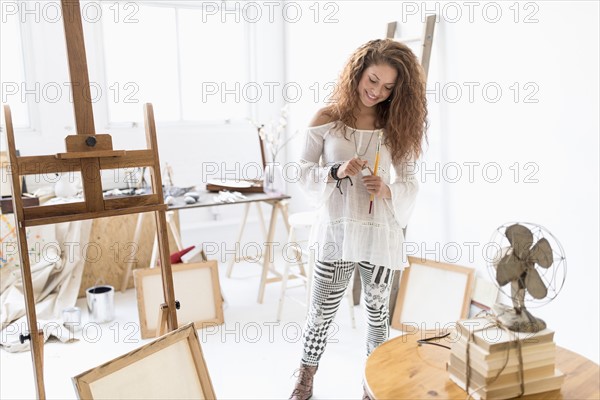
(518, 322)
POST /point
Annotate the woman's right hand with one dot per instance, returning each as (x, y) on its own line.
(351, 167)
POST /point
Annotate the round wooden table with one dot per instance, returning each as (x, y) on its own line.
(401, 369)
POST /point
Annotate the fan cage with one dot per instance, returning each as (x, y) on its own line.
(553, 277)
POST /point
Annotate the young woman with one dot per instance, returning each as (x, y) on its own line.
(379, 103)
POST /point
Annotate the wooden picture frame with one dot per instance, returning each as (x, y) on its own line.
(196, 287)
(432, 295)
(171, 366)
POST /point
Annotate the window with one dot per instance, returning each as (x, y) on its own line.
(12, 68)
(190, 67)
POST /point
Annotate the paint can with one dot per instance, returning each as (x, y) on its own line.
(101, 303)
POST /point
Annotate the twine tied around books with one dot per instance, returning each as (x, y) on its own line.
(495, 323)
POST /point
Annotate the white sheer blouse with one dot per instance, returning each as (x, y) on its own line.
(344, 229)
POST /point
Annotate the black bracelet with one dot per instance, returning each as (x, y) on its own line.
(334, 171)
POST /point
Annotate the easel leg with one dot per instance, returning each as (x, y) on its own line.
(166, 272)
(173, 228)
(36, 337)
(154, 254)
(136, 239)
(161, 328)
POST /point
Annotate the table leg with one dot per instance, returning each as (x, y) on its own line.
(267, 261)
(284, 213)
(262, 219)
(239, 239)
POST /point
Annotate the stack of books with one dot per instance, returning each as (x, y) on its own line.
(494, 361)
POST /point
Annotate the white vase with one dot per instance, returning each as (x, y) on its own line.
(273, 182)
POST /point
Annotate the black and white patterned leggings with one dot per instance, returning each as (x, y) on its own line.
(328, 287)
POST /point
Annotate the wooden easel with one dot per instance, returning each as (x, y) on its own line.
(88, 153)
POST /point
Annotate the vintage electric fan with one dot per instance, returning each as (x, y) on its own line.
(532, 261)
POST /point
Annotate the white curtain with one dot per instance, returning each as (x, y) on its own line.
(56, 267)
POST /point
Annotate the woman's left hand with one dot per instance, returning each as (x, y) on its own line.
(375, 185)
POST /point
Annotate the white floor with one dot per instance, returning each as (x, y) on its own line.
(251, 356)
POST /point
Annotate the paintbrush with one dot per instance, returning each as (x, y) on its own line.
(375, 168)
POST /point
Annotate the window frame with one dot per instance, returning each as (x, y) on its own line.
(28, 61)
(101, 66)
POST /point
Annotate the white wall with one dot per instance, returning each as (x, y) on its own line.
(191, 149)
(558, 134)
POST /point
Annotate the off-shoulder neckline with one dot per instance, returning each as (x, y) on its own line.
(349, 127)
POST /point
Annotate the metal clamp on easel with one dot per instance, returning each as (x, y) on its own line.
(162, 318)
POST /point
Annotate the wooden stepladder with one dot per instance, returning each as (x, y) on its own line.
(426, 40)
(87, 153)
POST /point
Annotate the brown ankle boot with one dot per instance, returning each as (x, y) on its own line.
(304, 385)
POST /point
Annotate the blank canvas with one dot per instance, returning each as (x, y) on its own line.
(172, 366)
(196, 288)
(432, 295)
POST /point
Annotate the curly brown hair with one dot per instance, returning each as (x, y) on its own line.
(403, 116)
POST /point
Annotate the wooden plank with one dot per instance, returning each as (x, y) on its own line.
(427, 43)
(152, 144)
(36, 341)
(6, 205)
(133, 159)
(38, 165)
(120, 250)
(92, 184)
(200, 363)
(132, 201)
(91, 154)
(78, 70)
(92, 215)
(77, 143)
(38, 212)
(391, 30)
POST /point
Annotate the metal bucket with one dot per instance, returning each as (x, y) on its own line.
(101, 303)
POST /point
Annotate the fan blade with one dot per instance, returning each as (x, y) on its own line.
(520, 239)
(535, 285)
(541, 253)
(509, 269)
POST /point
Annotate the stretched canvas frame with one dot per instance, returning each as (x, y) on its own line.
(171, 366)
(196, 288)
(432, 295)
